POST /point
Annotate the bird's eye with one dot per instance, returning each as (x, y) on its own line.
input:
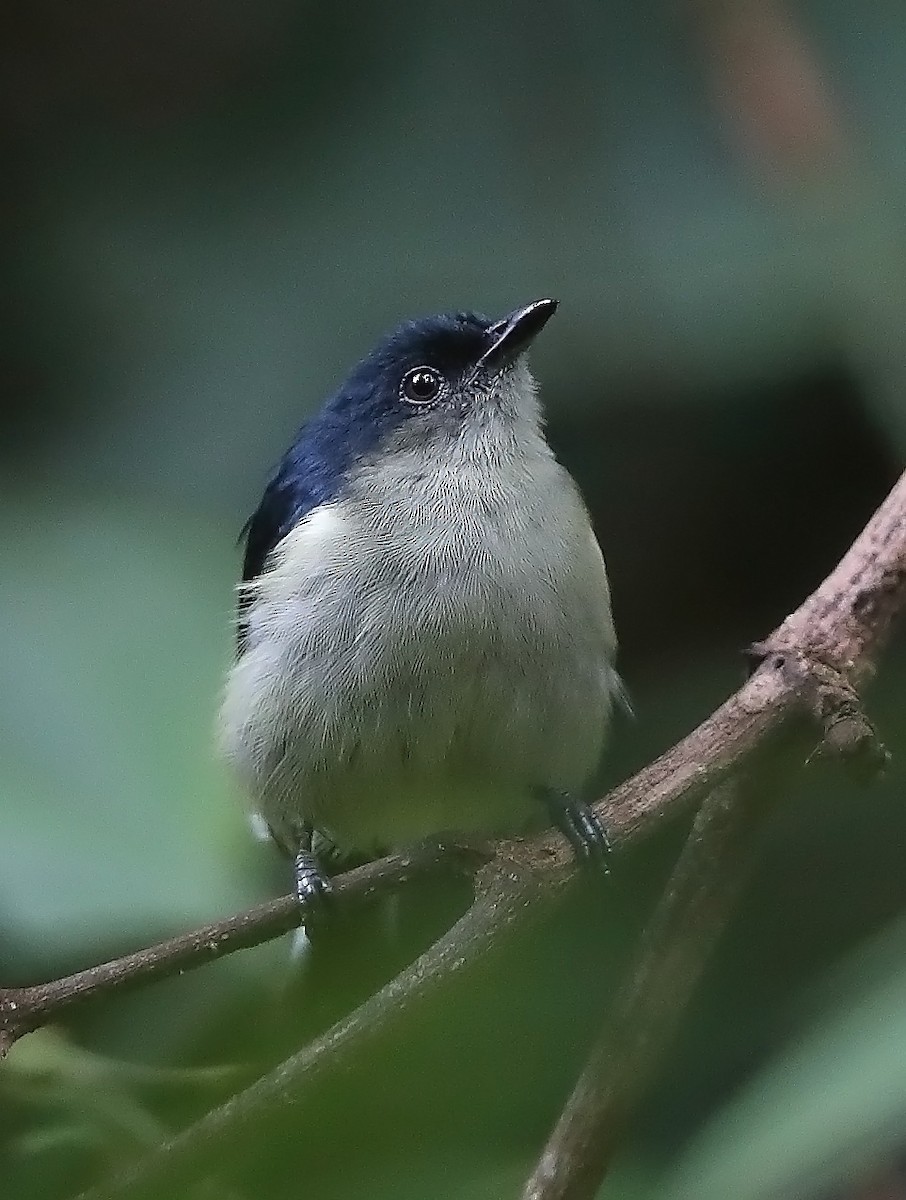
(421, 385)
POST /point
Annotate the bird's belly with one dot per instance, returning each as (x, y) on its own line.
(383, 747)
(381, 705)
(370, 813)
(455, 751)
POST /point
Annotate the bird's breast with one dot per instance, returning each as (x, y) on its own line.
(426, 629)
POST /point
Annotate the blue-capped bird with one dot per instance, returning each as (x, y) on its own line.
(425, 638)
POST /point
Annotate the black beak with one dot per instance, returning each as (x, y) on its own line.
(513, 334)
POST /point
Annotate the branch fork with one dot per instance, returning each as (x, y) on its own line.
(806, 679)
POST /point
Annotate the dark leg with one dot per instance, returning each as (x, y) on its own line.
(313, 886)
(581, 828)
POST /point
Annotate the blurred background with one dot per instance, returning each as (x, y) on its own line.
(208, 212)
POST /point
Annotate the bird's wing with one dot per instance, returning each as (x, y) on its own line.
(288, 497)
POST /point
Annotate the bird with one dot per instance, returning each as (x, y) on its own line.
(425, 640)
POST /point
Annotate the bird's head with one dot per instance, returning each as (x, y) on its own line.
(434, 377)
(436, 389)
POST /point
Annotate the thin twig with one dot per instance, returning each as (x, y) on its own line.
(27, 1008)
(507, 900)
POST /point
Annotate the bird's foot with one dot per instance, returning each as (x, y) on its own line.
(313, 886)
(581, 827)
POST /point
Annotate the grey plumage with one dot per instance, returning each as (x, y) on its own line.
(433, 646)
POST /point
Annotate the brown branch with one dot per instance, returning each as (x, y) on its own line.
(807, 668)
(871, 573)
(810, 665)
(507, 899)
(690, 917)
(831, 642)
(24, 1009)
(680, 776)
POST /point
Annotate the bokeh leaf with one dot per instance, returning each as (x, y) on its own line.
(830, 1102)
(117, 817)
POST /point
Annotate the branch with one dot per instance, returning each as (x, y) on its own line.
(690, 917)
(833, 639)
(868, 579)
(806, 671)
(507, 899)
(25, 1009)
(680, 776)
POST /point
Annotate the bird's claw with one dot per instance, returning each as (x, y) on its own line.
(313, 886)
(583, 829)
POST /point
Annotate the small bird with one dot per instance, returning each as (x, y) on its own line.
(425, 638)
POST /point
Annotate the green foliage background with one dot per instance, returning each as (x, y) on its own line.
(209, 212)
